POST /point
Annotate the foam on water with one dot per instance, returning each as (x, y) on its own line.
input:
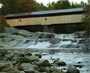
(40, 45)
(65, 36)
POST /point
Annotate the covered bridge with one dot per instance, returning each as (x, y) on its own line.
(46, 18)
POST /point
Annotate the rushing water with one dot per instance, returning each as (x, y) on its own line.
(63, 46)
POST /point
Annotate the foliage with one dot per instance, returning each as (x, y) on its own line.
(87, 19)
(20, 6)
(3, 24)
(62, 4)
(10, 6)
(76, 5)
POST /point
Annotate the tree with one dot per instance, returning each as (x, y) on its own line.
(87, 18)
(10, 6)
(28, 5)
(62, 4)
(18, 6)
(51, 6)
(78, 5)
(3, 24)
(41, 7)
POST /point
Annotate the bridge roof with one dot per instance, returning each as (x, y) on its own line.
(46, 12)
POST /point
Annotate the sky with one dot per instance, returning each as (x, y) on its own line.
(45, 2)
(1, 5)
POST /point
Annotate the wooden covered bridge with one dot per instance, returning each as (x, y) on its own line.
(37, 21)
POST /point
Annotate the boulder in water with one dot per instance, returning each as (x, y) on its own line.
(44, 63)
(72, 69)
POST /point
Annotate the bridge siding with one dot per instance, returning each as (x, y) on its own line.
(49, 20)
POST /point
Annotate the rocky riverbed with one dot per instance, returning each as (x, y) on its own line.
(22, 51)
(27, 62)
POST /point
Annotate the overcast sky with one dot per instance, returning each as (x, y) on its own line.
(0, 5)
(47, 1)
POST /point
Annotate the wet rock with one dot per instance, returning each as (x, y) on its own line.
(10, 70)
(54, 40)
(39, 55)
(36, 71)
(44, 72)
(27, 67)
(33, 58)
(21, 55)
(46, 35)
(59, 62)
(3, 72)
(72, 69)
(44, 63)
(52, 68)
(57, 71)
(20, 68)
(28, 54)
(9, 57)
(3, 53)
(5, 65)
(79, 65)
(47, 69)
(41, 69)
(23, 60)
(32, 71)
(21, 71)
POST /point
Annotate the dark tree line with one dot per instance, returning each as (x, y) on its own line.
(86, 19)
(20, 6)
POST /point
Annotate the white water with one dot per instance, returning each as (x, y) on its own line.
(40, 45)
(65, 39)
(34, 41)
(65, 36)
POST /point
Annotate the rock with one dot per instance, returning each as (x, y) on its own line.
(39, 55)
(5, 65)
(9, 57)
(21, 55)
(21, 71)
(33, 58)
(28, 54)
(47, 35)
(57, 71)
(41, 69)
(72, 69)
(37, 71)
(44, 72)
(54, 40)
(32, 71)
(10, 70)
(47, 69)
(3, 53)
(44, 63)
(23, 60)
(59, 62)
(79, 65)
(27, 67)
(52, 68)
(3, 72)
(24, 33)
